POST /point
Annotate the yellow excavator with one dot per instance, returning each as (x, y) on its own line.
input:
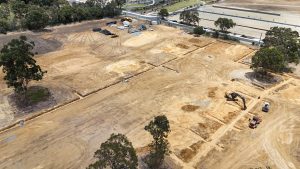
(232, 96)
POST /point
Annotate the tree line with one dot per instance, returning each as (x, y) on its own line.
(37, 14)
(280, 48)
(191, 17)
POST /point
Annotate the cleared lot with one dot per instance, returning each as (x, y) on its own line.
(124, 82)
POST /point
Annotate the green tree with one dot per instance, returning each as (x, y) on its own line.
(286, 40)
(120, 3)
(199, 30)
(95, 12)
(18, 64)
(3, 26)
(159, 128)
(36, 19)
(224, 24)
(3, 1)
(60, 3)
(19, 8)
(56, 3)
(65, 14)
(111, 10)
(91, 3)
(4, 11)
(80, 13)
(117, 153)
(42, 2)
(163, 13)
(268, 59)
(190, 17)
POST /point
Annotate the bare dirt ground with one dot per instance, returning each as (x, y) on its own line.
(286, 6)
(124, 82)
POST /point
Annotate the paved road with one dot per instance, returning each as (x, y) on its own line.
(253, 21)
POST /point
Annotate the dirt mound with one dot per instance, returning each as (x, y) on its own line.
(189, 108)
(194, 40)
(212, 92)
(189, 153)
(42, 45)
(183, 46)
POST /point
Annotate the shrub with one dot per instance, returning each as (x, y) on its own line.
(199, 30)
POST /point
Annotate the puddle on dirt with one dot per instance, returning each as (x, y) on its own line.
(9, 139)
(194, 105)
(189, 108)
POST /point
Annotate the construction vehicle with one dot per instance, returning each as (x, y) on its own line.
(142, 27)
(266, 107)
(232, 96)
(132, 29)
(106, 32)
(126, 19)
(97, 29)
(254, 122)
(114, 36)
(111, 23)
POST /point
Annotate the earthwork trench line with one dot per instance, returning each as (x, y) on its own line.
(239, 60)
(232, 124)
(7, 128)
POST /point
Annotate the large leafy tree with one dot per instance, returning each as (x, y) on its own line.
(190, 17)
(19, 8)
(36, 19)
(18, 64)
(224, 24)
(117, 153)
(159, 128)
(4, 11)
(3, 26)
(163, 13)
(65, 14)
(286, 40)
(92, 3)
(3, 1)
(268, 59)
(120, 3)
(56, 3)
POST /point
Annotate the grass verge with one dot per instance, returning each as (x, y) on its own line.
(182, 4)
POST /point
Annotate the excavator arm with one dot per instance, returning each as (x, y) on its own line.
(244, 101)
(232, 97)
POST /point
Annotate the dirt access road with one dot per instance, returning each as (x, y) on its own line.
(123, 83)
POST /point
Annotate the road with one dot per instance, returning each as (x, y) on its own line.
(246, 20)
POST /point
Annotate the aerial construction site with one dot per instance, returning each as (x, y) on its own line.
(101, 85)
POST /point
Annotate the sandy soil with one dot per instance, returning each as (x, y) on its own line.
(124, 82)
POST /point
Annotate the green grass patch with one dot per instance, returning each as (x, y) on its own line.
(35, 95)
(182, 4)
(134, 5)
